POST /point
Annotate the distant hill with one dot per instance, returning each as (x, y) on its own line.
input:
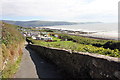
(38, 23)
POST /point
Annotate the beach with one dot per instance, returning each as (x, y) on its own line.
(104, 35)
(101, 30)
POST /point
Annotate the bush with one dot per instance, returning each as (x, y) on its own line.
(112, 45)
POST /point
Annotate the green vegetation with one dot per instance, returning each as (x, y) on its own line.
(83, 47)
(55, 38)
(112, 44)
(82, 40)
(45, 30)
(12, 43)
(11, 68)
(11, 36)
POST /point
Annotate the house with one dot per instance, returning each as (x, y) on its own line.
(45, 35)
(29, 35)
(40, 37)
(56, 35)
(33, 37)
(46, 38)
(24, 35)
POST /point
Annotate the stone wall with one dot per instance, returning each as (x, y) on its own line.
(81, 65)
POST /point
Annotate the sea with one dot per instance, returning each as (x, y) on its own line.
(108, 30)
(97, 27)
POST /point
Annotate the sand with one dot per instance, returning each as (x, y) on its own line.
(107, 35)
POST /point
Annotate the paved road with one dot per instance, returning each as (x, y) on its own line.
(32, 66)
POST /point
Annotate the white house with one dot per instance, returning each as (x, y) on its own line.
(33, 37)
(56, 35)
(24, 35)
(46, 38)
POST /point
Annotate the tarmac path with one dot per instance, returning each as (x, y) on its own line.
(32, 66)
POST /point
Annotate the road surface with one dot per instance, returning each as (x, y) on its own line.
(32, 66)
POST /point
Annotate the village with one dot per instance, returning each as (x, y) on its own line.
(39, 35)
(47, 34)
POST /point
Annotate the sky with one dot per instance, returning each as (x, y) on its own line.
(60, 10)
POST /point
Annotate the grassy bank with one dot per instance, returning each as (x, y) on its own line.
(11, 68)
(12, 43)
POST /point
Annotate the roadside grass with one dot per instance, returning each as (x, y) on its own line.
(12, 42)
(11, 69)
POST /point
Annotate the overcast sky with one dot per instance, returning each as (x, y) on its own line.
(61, 10)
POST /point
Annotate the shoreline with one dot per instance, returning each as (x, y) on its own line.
(105, 35)
(107, 31)
(92, 37)
(95, 35)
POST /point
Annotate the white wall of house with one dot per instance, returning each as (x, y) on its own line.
(33, 37)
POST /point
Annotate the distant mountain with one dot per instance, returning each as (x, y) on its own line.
(38, 23)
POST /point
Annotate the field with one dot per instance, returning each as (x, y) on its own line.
(81, 44)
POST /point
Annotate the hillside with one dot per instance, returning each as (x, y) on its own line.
(38, 23)
(12, 43)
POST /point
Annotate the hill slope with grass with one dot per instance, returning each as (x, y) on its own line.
(38, 23)
(12, 43)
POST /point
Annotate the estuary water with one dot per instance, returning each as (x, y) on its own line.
(104, 30)
(98, 27)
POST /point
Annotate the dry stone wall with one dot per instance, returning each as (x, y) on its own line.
(81, 65)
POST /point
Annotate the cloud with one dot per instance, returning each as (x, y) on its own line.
(68, 10)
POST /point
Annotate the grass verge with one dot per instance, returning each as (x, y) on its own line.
(11, 69)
